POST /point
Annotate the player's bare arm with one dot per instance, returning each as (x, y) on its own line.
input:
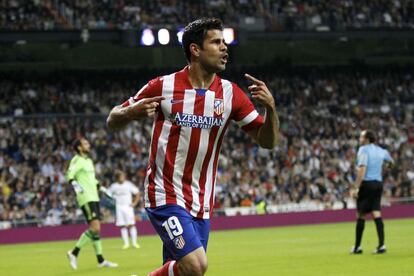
(121, 116)
(267, 136)
(136, 200)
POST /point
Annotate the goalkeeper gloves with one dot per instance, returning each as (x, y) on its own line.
(106, 192)
(76, 186)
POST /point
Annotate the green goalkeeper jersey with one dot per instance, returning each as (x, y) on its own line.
(82, 170)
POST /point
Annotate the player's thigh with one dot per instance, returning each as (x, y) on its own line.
(121, 216)
(175, 227)
(202, 227)
(129, 215)
(194, 263)
(91, 211)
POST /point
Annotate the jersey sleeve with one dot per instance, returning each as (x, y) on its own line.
(111, 188)
(152, 89)
(134, 190)
(387, 156)
(74, 167)
(244, 113)
(362, 157)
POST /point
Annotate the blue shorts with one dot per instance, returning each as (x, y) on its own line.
(180, 232)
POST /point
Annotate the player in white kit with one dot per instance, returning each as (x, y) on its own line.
(123, 191)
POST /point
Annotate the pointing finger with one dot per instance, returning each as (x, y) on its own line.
(154, 99)
(253, 79)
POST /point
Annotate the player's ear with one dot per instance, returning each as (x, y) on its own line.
(195, 50)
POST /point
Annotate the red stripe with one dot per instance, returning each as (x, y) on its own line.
(216, 86)
(212, 196)
(154, 88)
(152, 160)
(172, 145)
(192, 154)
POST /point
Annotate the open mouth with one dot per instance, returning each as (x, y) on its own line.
(224, 58)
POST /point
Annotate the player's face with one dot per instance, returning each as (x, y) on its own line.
(121, 178)
(213, 56)
(84, 146)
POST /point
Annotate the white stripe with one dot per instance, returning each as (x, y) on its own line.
(167, 92)
(139, 92)
(248, 119)
(183, 147)
(202, 150)
(171, 268)
(227, 98)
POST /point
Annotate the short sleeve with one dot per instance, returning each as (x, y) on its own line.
(152, 89)
(362, 159)
(387, 156)
(244, 113)
(134, 190)
(112, 188)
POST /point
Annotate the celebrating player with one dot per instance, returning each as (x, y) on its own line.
(81, 174)
(122, 191)
(192, 109)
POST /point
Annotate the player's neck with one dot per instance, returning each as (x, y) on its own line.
(199, 77)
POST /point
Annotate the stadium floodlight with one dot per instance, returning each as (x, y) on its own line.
(180, 35)
(147, 37)
(228, 34)
(163, 36)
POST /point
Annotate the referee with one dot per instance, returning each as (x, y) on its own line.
(368, 187)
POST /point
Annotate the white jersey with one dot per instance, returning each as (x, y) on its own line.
(123, 192)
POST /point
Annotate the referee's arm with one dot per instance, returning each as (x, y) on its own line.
(360, 176)
(361, 170)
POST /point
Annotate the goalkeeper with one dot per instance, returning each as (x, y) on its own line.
(81, 175)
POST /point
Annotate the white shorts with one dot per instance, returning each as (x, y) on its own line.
(125, 216)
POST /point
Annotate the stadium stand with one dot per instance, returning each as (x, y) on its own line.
(274, 15)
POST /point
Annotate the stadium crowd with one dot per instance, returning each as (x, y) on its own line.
(290, 15)
(321, 114)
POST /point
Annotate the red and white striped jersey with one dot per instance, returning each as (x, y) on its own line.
(186, 138)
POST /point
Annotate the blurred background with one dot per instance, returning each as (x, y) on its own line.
(334, 68)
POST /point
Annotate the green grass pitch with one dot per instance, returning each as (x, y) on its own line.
(297, 250)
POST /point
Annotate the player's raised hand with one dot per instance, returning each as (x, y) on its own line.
(145, 108)
(260, 92)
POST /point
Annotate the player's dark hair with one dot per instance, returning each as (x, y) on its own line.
(370, 135)
(196, 31)
(75, 144)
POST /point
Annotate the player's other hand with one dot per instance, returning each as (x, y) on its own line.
(106, 192)
(260, 92)
(145, 108)
(77, 187)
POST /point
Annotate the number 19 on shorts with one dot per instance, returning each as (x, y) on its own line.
(173, 227)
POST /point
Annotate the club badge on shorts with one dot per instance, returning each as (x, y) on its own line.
(218, 106)
(179, 242)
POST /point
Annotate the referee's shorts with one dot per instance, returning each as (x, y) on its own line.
(369, 196)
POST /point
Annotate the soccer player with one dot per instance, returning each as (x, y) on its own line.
(122, 191)
(192, 109)
(81, 175)
(368, 187)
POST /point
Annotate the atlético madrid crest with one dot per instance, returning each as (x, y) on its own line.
(218, 106)
(179, 242)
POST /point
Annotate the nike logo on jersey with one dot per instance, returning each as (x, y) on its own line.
(176, 101)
